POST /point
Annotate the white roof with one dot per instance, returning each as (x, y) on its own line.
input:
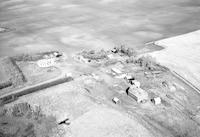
(43, 63)
(116, 70)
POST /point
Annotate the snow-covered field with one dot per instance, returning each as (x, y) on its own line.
(36, 25)
(181, 54)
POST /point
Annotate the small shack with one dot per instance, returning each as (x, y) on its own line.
(156, 100)
(135, 83)
(116, 100)
(129, 77)
(116, 71)
(138, 94)
(169, 85)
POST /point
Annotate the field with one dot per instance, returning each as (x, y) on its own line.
(74, 24)
(181, 54)
(2, 76)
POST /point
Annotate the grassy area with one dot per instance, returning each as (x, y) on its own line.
(12, 71)
(126, 51)
(20, 69)
(32, 57)
(93, 55)
(149, 63)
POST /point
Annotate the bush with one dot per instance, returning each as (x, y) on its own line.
(29, 122)
(131, 60)
(32, 57)
(126, 51)
(94, 55)
(13, 71)
(5, 84)
(147, 62)
(21, 109)
(131, 52)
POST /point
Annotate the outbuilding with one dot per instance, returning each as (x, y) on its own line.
(116, 71)
(116, 100)
(138, 94)
(156, 100)
(135, 83)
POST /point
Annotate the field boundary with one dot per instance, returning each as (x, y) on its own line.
(176, 73)
(34, 88)
(186, 81)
